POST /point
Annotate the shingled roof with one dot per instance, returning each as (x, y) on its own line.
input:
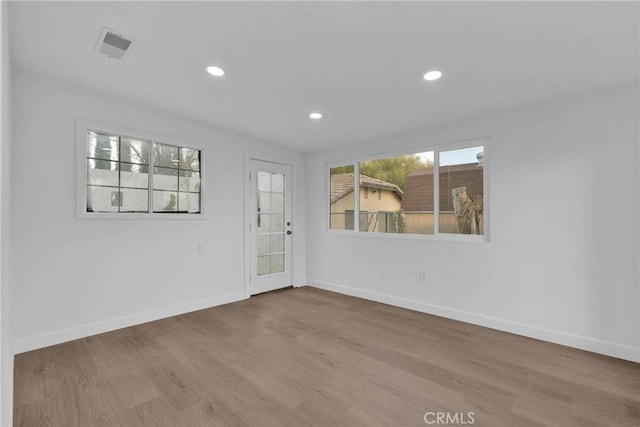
(342, 184)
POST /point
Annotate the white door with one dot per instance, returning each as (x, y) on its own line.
(270, 226)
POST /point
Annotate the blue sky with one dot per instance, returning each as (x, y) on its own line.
(454, 157)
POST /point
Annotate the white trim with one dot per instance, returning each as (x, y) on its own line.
(447, 237)
(82, 126)
(56, 337)
(558, 337)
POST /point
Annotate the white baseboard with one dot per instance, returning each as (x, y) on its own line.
(557, 337)
(56, 337)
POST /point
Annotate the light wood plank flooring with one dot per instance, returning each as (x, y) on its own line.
(307, 357)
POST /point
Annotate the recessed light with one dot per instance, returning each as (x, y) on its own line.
(433, 75)
(315, 116)
(215, 71)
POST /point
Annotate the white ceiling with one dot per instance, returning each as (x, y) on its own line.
(360, 63)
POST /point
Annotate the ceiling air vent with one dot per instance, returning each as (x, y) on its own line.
(114, 45)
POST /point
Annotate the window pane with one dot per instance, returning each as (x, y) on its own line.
(418, 199)
(101, 146)
(461, 191)
(189, 159)
(102, 172)
(165, 155)
(189, 181)
(134, 200)
(134, 176)
(364, 220)
(189, 202)
(134, 151)
(396, 194)
(165, 201)
(99, 199)
(341, 197)
(165, 179)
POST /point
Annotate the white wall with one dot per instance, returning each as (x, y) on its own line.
(562, 260)
(74, 277)
(6, 352)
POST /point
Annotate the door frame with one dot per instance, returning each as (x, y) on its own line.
(269, 158)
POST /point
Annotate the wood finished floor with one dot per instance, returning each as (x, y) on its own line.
(307, 357)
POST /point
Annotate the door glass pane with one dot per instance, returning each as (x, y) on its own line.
(270, 227)
(264, 202)
(264, 223)
(264, 241)
(277, 202)
(277, 263)
(277, 222)
(277, 242)
(264, 265)
(264, 181)
(277, 184)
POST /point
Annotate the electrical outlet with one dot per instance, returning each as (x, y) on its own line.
(200, 248)
(422, 276)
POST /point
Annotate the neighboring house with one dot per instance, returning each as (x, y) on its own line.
(417, 202)
(380, 203)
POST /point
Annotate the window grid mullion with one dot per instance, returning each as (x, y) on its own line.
(120, 195)
(152, 148)
(178, 183)
(436, 192)
(356, 194)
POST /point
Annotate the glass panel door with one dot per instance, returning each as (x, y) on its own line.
(270, 228)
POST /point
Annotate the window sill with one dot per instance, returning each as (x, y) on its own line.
(466, 238)
(142, 216)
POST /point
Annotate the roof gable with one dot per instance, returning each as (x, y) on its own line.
(342, 184)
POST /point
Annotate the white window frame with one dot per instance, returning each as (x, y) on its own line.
(84, 126)
(437, 235)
